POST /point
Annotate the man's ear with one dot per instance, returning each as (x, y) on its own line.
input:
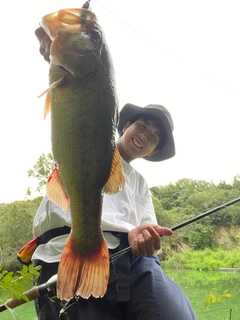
(127, 125)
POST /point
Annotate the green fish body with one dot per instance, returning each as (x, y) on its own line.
(84, 115)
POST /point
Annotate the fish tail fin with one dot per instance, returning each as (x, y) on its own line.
(116, 180)
(85, 275)
(55, 190)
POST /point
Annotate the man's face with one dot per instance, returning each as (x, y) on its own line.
(140, 138)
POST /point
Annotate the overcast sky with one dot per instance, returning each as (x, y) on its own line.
(181, 54)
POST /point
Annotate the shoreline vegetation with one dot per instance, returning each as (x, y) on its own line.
(204, 260)
(206, 252)
(210, 243)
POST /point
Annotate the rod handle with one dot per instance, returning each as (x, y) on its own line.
(32, 294)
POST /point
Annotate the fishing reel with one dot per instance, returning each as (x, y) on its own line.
(63, 314)
(50, 287)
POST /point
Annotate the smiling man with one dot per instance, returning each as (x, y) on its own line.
(138, 288)
(145, 132)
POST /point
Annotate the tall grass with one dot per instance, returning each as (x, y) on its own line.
(207, 260)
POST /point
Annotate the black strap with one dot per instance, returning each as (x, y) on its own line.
(52, 233)
(123, 271)
(123, 266)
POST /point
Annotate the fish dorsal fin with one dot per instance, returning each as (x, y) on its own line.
(47, 107)
(116, 179)
(55, 190)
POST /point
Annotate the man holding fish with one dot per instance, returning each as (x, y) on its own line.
(113, 208)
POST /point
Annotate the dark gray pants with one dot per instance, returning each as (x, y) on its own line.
(154, 296)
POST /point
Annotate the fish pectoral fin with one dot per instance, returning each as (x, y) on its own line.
(52, 86)
(86, 275)
(55, 191)
(47, 106)
(116, 179)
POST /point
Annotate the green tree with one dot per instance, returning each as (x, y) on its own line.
(176, 203)
(201, 237)
(14, 285)
(16, 225)
(236, 182)
(41, 171)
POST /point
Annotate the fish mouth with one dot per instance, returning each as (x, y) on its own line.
(137, 144)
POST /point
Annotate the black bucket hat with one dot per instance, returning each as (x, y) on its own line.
(130, 111)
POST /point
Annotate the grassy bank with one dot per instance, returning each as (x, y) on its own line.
(24, 312)
(198, 284)
(204, 260)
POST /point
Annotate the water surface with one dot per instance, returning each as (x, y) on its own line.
(198, 284)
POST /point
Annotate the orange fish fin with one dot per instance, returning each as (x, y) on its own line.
(25, 253)
(55, 190)
(116, 180)
(47, 106)
(52, 86)
(85, 275)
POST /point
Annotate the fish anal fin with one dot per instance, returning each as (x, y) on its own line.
(116, 179)
(55, 191)
(86, 275)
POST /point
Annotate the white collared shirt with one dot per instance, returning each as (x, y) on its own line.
(121, 212)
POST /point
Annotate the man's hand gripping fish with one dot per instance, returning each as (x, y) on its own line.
(84, 115)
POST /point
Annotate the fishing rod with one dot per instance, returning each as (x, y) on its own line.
(200, 216)
(50, 286)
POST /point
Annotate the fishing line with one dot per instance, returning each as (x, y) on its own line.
(124, 22)
(158, 48)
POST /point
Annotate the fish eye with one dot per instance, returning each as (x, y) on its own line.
(95, 34)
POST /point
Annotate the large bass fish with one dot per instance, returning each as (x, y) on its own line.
(84, 115)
